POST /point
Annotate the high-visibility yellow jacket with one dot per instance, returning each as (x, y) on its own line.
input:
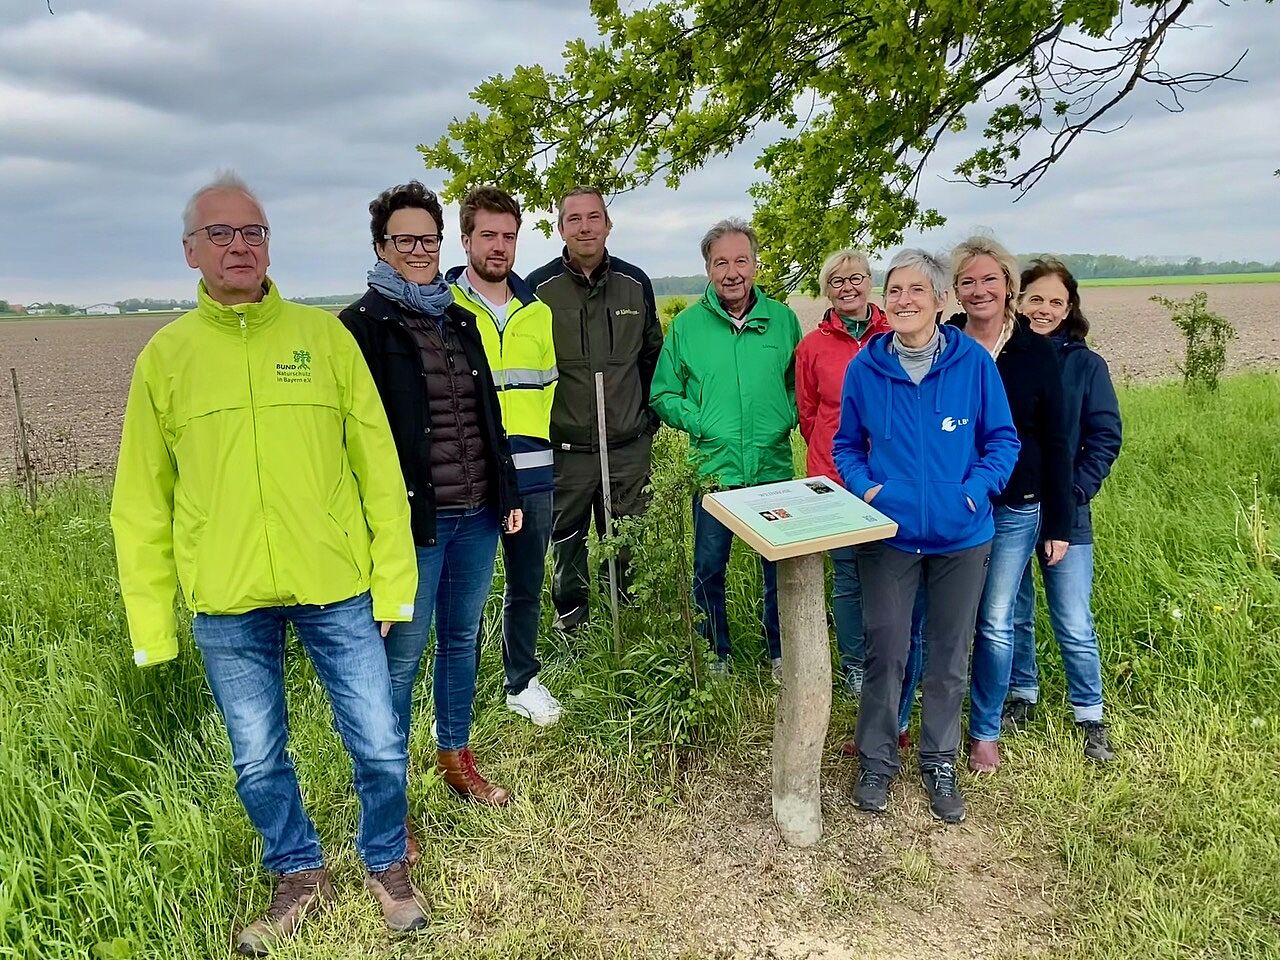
(257, 470)
(523, 358)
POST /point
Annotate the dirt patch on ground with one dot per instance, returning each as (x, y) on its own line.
(75, 373)
(901, 886)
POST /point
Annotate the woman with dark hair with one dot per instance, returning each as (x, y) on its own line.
(1034, 507)
(430, 368)
(1051, 302)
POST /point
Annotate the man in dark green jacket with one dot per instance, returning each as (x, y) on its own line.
(604, 320)
(726, 377)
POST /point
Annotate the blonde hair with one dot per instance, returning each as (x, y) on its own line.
(966, 251)
(840, 256)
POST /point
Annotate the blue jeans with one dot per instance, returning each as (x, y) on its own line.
(915, 660)
(1068, 589)
(711, 543)
(1014, 543)
(846, 608)
(454, 578)
(524, 567)
(244, 661)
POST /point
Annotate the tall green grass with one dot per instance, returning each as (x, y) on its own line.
(121, 835)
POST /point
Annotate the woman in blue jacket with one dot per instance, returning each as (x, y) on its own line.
(1051, 301)
(926, 435)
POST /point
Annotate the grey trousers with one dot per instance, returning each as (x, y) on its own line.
(579, 501)
(890, 578)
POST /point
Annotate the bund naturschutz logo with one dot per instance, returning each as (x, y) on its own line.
(297, 372)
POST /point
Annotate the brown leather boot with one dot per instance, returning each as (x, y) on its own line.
(458, 767)
(412, 852)
(984, 756)
(297, 895)
(400, 901)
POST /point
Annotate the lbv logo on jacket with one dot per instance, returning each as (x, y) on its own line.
(297, 372)
(950, 423)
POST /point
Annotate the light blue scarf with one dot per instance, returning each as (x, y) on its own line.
(427, 298)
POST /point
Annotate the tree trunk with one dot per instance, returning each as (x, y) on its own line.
(804, 705)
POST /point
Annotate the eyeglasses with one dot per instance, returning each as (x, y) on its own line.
(222, 234)
(855, 279)
(406, 242)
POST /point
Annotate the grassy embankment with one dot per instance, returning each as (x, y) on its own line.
(121, 836)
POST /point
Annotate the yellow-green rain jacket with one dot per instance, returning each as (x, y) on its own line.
(256, 469)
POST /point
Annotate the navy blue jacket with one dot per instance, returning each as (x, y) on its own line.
(1093, 426)
(936, 447)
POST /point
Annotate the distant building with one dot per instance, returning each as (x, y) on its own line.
(40, 309)
(102, 309)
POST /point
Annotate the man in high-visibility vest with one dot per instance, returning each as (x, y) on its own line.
(516, 329)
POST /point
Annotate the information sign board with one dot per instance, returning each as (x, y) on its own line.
(795, 517)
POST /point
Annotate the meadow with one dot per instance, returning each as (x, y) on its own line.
(641, 827)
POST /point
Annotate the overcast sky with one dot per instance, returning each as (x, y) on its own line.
(112, 111)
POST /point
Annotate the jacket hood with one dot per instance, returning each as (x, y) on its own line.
(757, 314)
(883, 357)
(521, 290)
(253, 314)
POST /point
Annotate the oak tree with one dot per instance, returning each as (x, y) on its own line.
(861, 93)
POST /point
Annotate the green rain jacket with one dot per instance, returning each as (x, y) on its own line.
(733, 392)
(256, 470)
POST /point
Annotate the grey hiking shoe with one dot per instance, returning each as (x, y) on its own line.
(1097, 741)
(853, 681)
(945, 800)
(400, 901)
(872, 792)
(775, 669)
(298, 895)
(1017, 714)
(718, 668)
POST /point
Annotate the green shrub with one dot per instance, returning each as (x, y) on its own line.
(1206, 334)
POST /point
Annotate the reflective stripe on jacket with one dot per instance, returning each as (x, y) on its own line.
(523, 359)
(256, 470)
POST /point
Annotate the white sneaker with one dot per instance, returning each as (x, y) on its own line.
(535, 702)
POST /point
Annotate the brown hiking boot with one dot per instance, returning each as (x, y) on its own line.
(412, 852)
(458, 767)
(984, 756)
(297, 895)
(401, 903)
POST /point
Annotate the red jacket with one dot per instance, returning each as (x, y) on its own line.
(821, 359)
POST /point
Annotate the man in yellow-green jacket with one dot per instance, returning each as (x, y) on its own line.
(257, 471)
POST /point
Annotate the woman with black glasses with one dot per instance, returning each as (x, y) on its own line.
(430, 368)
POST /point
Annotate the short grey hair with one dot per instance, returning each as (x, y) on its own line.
(927, 263)
(840, 256)
(582, 190)
(223, 180)
(723, 228)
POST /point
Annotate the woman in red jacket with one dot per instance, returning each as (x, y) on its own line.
(821, 358)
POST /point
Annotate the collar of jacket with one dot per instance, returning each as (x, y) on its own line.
(601, 269)
(833, 326)
(520, 291)
(757, 318)
(241, 314)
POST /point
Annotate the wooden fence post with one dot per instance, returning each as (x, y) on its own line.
(804, 704)
(24, 451)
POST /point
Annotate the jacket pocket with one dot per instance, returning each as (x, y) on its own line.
(951, 519)
(899, 500)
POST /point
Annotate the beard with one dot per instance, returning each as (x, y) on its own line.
(487, 272)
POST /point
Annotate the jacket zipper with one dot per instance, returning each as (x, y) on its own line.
(257, 451)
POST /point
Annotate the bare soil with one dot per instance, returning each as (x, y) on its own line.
(74, 374)
(900, 886)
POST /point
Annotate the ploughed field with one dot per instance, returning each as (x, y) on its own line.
(74, 374)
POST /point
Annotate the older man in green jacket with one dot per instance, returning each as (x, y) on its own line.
(258, 473)
(726, 377)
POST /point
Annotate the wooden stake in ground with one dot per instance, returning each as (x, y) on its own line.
(24, 452)
(804, 705)
(608, 512)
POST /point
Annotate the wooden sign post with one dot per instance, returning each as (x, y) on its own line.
(793, 523)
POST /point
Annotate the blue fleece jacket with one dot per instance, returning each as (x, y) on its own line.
(931, 446)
